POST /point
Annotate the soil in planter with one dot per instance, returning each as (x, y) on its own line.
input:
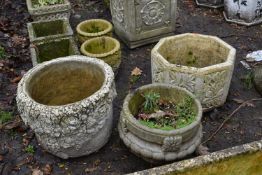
(49, 28)
(51, 50)
(41, 3)
(164, 114)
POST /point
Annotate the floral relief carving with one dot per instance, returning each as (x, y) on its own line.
(213, 89)
(184, 80)
(153, 12)
(118, 9)
(171, 144)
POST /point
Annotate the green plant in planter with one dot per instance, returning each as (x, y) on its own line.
(48, 2)
(151, 101)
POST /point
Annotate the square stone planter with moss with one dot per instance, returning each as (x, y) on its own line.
(104, 48)
(49, 29)
(210, 3)
(200, 63)
(240, 160)
(140, 22)
(154, 137)
(93, 28)
(245, 12)
(52, 49)
(68, 103)
(47, 9)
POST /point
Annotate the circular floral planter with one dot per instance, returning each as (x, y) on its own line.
(68, 104)
(104, 48)
(93, 28)
(245, 12)
(156, 144)
(258, 79)
(202, 64)
(210, 3)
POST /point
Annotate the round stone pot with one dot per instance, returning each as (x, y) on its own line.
(200, 63)
(245, 12)
(93, 28)
(104, 48)
(210, 3)
(258, 78)
(68, 104)
(155, 144)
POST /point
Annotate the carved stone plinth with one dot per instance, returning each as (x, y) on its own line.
(140, 22)
(202, 64)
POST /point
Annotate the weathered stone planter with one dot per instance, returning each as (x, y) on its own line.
(93, 28)
(51, 49)
(68, 104)
(49, 29)
(248, 12)
(202, 64)
(240, 160)
(210, 3)
(141, 22)
(104, 48)
(48, 12)
(156, 144)
(258, 79)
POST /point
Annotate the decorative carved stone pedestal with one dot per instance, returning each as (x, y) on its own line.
(245, 12)
(200, 63)
(140, 22)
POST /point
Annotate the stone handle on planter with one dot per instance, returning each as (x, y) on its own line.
(172, 144)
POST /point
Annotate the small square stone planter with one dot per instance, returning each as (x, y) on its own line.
(258, 78)
(210, 3)
(49, 29)
(200, 63)
(240, 160)
(245, 12)
(156, 145)
(68, 103)
(93, 28)
(139, 22)
(51, 49)
(48, 12)
(104, 48)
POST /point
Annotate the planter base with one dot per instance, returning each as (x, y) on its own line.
(138, 43)
(209, 5)
(152, 152)
(242, 22)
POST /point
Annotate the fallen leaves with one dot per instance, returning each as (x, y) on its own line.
(37, 172)
(47, 169)
(136, 72)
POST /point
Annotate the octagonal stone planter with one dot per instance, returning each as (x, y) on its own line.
(49, 29)
(202, 64)
(245, 12)
(210, 3)
(93, 28)
(258, 78)
(156, 144)
(47, 50)
(68, 104)
(139, 22)
(240, 160)
(48, 12)
(104, 48)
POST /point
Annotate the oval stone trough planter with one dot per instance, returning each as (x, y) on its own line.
(104, 48)
(93, 28)
(200, 63)
(156, 144)
(245, 12)
(210, 3)
(68, 104)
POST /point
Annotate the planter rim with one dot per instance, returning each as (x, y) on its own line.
(116, 48)
(108, 29)
(31, 32)
(132, 119)
(104, 89)
(34, 10)
(190, 69)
